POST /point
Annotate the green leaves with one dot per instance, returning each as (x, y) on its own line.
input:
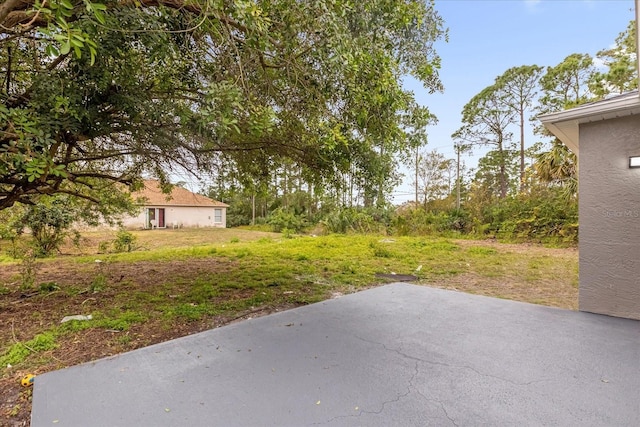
(98, 10)
(40, 167)
(256, 85)
(62, 16)
(66, 4)
(566, 84)
(35, 169)
(622, 73)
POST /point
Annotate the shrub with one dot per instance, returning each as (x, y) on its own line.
(124, 242)
(50, 223)
(418, 222)
(283, 219)
(28, 270)
(541, 216)
(357, 220)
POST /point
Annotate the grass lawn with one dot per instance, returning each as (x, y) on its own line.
(184, 281)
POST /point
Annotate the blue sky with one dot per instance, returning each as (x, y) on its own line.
(487, 37)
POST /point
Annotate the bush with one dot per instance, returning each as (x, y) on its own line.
(357, 220)
(282, 219)
(50, 223)
(544, 215)
(11, 228)
(418, 222)
(124, 242)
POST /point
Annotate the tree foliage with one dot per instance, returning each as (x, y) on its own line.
(621, 74)
(433, 174)
(486, 119)
(558, 167)
(101, 93)
(566, 85)
(519, 87)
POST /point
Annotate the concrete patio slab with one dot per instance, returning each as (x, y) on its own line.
(397, 355)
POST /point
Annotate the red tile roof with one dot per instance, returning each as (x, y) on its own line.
(153, 196)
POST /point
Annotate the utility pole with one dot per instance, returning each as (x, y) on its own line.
(417, 165)
(458, 177)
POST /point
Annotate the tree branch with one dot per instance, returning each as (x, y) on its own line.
(8, 7)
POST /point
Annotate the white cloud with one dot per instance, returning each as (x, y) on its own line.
(599, 64)
(532, 5)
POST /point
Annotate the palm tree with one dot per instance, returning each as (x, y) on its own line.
(558, 166)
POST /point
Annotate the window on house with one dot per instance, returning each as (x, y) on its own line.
(217, 216)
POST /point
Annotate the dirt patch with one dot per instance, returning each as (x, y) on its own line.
(518, 248)
(548, 293)
(391, 277)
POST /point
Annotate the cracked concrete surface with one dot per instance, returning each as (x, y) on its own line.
(395, 355)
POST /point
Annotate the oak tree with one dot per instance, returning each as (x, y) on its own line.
(101, 93)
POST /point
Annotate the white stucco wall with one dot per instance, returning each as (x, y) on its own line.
(181, 216)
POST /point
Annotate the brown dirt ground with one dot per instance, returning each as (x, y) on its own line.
(22, 315)
(554, 292)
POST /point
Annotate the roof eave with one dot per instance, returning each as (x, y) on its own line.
(182, 205)
(565, 124)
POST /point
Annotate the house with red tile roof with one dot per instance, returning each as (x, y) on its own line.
(180, 208)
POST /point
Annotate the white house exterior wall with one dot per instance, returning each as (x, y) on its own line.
(180, 216)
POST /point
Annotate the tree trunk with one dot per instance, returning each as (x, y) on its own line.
(458, 179)
(253, 209)
(522, 149)
(503, 171)
(417, 165)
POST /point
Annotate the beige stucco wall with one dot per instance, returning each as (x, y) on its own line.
(180, 216)
(610, 218)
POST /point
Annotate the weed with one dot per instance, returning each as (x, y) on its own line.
(481, 250)
(443, 246)
(124, 339)
(121, 321)
(380, 251)
(28, 270)
(48, 287)
(125, 241)
(15, 354)
(244, 252)
(347, 267)
(99, 282)
(42, 342)
(235, 240)
(103, 247)
(288, 233)
(75, 326)
(18, 352)
(14, 411)
(191, 311)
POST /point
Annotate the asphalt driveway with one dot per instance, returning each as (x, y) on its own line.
(397, 355)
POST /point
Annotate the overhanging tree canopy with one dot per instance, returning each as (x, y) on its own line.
(99, 93)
